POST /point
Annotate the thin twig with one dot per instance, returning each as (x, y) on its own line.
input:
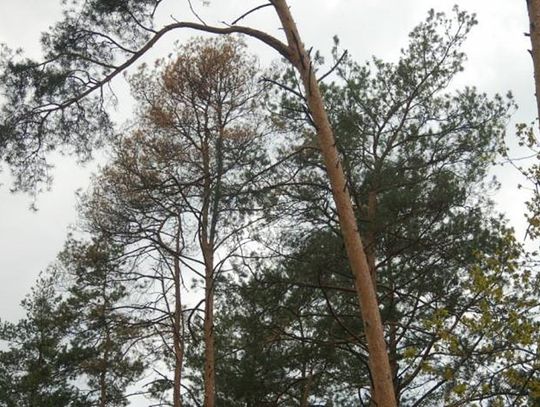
(284, 87)
(251, 11)
(195, 13)
(338, 62)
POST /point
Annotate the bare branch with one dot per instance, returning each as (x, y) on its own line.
(338, 62)
(195, 13)
(260, 35)
(284, 87)
(250, 12)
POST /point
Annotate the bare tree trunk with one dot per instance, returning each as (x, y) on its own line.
(104, 363)
(306, 390)
(533, 7)
(103, 381)
(207, 248)
(209, 355)
(392, 342)
(370, 249)
(367, 298)
(178, 350)
(178, 325)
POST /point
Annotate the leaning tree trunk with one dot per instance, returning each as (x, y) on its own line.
(533, 7)
(380, 367)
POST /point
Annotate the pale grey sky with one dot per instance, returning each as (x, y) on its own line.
(498, 61)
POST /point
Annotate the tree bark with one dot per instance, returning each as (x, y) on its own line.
(209, 353)
(533, 7)
(306, 390)
(178, 324)
(207, 248)
(104, 363)
(103, 376)
(393, 341)
(367, 298)
(370, 250)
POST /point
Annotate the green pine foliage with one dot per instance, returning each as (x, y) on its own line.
(458, 293)
(449, 271)
(75, 347)
(103, 330)
(38, 367)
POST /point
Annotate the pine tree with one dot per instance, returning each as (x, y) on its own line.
(185, 182)
(75, 346)
(447, 269)
(103, 332)
(38, 366)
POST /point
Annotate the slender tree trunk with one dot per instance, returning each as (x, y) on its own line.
(533, 7)
(209, 352)
(367, 298)
(178, 354)
(370, 249)
(103, 381)
(104, 365)
(306, 390)
(392, 341)
(178, 327)
(207, 248)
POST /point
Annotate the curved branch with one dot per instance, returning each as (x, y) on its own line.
(251, 11)
(254, 33)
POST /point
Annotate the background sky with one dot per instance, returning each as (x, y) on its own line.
(498, 61)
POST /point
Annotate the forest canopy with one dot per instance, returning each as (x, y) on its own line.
(284, 236)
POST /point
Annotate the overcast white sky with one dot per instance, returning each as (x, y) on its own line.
(498, 61)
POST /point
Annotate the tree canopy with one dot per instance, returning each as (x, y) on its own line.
(269, 238)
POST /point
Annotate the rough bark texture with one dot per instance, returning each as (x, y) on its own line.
(367, 298)
(533, 7)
